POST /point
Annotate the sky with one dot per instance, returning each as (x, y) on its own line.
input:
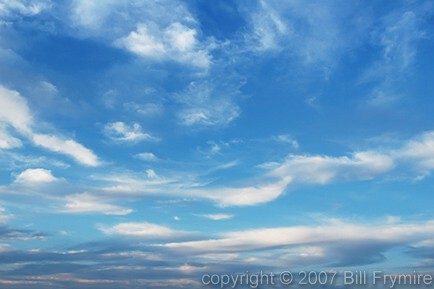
(146, 143)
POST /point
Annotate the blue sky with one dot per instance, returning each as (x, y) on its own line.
(145, 143)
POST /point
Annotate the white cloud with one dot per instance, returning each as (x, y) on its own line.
(415, 154)
(24, 7)
(399, 39)
(143, 43)
(95, 16)
(121, 132)
(151, 174)
(87, 203)
(162, 30)
(216, 217)
(92, 14)
(176, 42)
(189, 187)
(419, 151)
(7, 141)
(4, 247)
(285, 138)
(205, 105)
(4, 218)
(271, 185)
(398, 35)
(16, 113)
(332, 232)
(146, 156)
(268, 27)
(142, 229)
(313, 31)
(324, 169)
(68, 147)
(32, 176)
(244, 196)
(15, 110)
(146, 109)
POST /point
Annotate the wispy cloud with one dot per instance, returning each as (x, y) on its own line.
(7, 141)
(205, 105)
(24, 235)
(16, 113)
(285, 138)
(314, 31)
(327, 237)
(122, 132)
(24, 7)
(4, 216)
(216, 217)
(147, 156)
(68, 147)
(15, 110)
(85, 203)
(142, 230)
(152, 34)
(414, 156)
(398, 35)
(324, 169)
(176, 42)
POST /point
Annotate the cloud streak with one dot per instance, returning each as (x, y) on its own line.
(143, 230)
(16, 113)
(124, 133)
(85, 203)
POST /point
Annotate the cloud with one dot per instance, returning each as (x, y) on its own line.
(285, 138)
(121, 132)
(314, 32)
(12, 234)
(205, 105)
(414, 155)
(418, 152)
(24, 7)
(4, 217)
(399, 39)
(15, 110)
(95, 16)
(90, 204)
(156, 31)
(243, 196)
(142, 230)
(146, 156)
(176, 42)
(324, 169)
(33, 176)
(7, 141)
(186, 186)
(268, 27)
(151, 174)
(398, 35)
(91, 14)
(327, 237)
(145, 109)
(216, 217)
(68, 147)
(16, 113)
(267, 187)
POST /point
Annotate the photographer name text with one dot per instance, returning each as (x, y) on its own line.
(317, 278)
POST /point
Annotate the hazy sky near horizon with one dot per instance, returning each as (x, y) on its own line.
(145, 143)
